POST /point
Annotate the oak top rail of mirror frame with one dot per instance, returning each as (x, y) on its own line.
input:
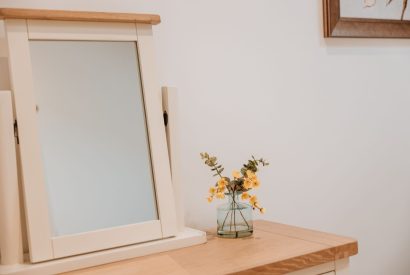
(88, 16)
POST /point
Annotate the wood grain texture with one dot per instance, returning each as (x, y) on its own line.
(161, 265)
(62, 15)
(337, 26)
(273, 249)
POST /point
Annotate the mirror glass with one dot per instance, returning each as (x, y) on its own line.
(93, 135)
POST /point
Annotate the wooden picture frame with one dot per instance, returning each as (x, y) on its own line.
(337, 26)
(43, 245)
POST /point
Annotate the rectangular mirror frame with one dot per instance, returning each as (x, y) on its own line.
(42, 245)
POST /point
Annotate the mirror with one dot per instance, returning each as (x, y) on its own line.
(93, 134)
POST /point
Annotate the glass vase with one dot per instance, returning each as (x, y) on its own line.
(234, 218)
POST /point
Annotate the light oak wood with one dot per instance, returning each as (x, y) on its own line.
(89, 31)
(274, 249)
(160, 265)
(63, 15)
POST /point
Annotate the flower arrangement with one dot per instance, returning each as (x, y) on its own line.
(242, 181)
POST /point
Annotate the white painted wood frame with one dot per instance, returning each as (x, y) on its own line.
(170, 107)
(42, 245)
(11, 241)
(337, 267)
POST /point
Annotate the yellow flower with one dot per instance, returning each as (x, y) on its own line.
(247, 183)
(245, 196)
(250, 174)
(209, 199)
(212, 190)
(222, 183)
(236, 174)
(253, 200)
(256, 183)
(220, 195)
(263, 210)
(220, 190)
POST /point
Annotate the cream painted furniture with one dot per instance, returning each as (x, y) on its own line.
(85, 167)
(273, 249)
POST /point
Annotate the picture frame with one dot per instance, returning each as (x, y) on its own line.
(381, 22)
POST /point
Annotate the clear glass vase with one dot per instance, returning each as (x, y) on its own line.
(234, 218)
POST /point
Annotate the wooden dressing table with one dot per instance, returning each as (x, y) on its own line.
(273, 249)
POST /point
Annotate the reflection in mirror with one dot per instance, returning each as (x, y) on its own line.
(93, 135)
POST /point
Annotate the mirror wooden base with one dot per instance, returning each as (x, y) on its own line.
(187, 237)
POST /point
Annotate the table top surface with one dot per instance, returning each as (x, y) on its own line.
(274, 248)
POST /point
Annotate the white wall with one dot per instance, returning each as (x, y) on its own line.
(332, 116)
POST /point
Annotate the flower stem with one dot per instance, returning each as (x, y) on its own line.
(230, 224)
(240, 212)
(217, 171)
(223, 224)
(234, 213)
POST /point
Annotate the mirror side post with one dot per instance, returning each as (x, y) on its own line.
(170, 110)
(11, 243)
